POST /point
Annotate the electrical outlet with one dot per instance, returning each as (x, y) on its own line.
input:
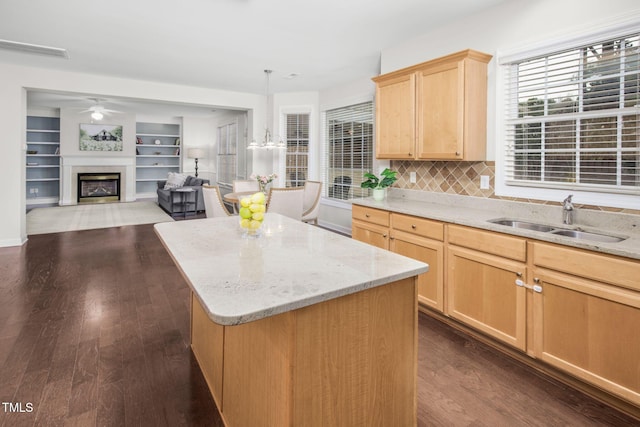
(412, 177)
(484, 182)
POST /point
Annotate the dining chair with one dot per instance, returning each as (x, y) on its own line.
(213, 204)
(311, 201)
(286, 201)
(242, 185)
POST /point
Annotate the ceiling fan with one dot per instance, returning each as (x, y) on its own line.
(98, 111)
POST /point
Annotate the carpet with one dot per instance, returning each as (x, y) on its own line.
(86, 217)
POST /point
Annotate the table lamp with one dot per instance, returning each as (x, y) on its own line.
(196, 153)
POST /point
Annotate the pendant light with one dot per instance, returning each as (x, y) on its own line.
(267, 142)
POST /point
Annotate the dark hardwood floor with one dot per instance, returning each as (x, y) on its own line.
(94, 330)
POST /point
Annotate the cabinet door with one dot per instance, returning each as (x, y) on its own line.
(431, 283)
(373, 234)
(590, 330)
(441, 112)
(395, 118)
(482, 292)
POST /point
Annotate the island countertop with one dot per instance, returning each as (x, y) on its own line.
(292, 265)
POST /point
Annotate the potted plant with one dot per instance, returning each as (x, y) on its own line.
(387, 178)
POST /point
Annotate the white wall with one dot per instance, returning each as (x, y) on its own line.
(200, 132)
(13, 109)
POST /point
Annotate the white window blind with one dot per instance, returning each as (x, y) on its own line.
(297, 158)
(227, 153)
(349, 150)
(573, 118)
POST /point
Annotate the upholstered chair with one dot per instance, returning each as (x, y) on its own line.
(242, 185)
(213, 204)
(311, 201)
(286, 201)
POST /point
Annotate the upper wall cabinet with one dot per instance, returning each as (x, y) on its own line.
(436, 110)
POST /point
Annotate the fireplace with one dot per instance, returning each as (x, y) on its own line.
(98, 187)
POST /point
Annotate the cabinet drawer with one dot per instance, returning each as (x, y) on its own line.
(488, 242)
(603, 268)
(420, 226)
(375, 216)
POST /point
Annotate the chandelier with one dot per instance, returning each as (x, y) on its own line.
(267, 142)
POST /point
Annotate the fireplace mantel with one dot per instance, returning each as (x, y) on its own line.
(71, 165)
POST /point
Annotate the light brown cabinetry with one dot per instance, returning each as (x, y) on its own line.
(435, 110)
(482, 283)
(576, 310)
(586, 318)
(421, 239)
(370, 226)
(413, 237)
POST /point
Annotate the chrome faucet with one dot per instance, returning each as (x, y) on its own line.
(567, 210)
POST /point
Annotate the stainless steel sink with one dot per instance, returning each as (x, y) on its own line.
(574, 234)
(522, 224)
(585, 235)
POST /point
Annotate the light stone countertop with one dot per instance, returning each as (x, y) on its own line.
(475, 212)
(292, 265)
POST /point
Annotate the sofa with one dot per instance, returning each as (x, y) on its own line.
(164, 196)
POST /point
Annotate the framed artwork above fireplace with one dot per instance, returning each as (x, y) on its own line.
(100, 137)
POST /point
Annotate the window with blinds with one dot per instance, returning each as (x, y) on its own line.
(573, 118)
(297, 156)
(227, 153)
(349, 150)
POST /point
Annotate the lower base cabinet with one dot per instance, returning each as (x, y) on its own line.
(586, 327)
(573, 309)
(482, 293)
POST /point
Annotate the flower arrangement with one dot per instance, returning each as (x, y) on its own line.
(263, 180)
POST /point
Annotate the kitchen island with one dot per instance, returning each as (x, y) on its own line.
(301, 326)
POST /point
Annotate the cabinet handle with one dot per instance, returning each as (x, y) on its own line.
(457, 153)
(384, 235)
(366, 215)
(413, 226)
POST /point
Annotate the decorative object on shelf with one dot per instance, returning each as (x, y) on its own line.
(263, 180)
(196, 153)
(99, 137)
(32, 151)
(177, 153)
(57, 152)
(251, 214)
(379, 185)
(157, 153)
(267, 142)
(138, 140)
(177, 141)
(157, 142)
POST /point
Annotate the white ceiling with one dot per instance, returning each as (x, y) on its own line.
(224, 44)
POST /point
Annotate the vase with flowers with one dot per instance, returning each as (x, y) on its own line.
(264, 180)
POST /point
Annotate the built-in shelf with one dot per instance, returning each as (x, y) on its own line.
(157, 153)
(43, 160)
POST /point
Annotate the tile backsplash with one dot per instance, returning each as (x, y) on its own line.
(463, 178)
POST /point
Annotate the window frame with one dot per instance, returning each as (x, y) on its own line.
(219, 128)
(285, 116)
(325, 176)
(542, 192)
